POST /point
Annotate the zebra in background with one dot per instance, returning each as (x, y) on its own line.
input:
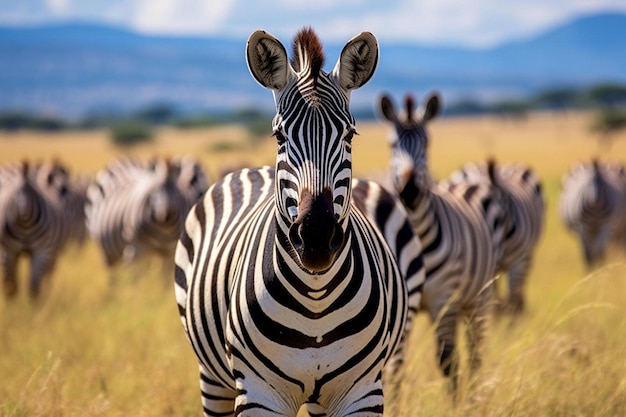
(288, 293)
(518, 190)
(135, 208)
(593, 206)
(459, 226)
(75, 199)
(32, 223)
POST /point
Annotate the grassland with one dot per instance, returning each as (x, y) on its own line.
(87, 351)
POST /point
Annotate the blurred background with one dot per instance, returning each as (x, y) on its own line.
(67, 63)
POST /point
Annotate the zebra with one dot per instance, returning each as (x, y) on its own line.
(74, 200)
(32, 223)
(593, 206)
(288, 291)
(135, 208)
(460, 228)
(520, 194)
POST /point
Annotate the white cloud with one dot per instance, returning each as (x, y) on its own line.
(58, 7)
(180, 16)
(460, 22)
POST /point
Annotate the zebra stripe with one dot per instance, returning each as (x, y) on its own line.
(74, 199)
(519, 192)
(460, 228)
(286, 286)
(32, 223)
(593, 206)
(135, 208)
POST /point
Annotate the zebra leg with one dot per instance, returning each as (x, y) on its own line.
(41, 266)
(517, 282)
(217, 400)
(447, 354)
(475, 331)
(9, 267)
(393, 373)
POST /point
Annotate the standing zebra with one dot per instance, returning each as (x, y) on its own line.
(32, 223)
(288, 292)
(74, 200)
(593, 206)
(459, 228)
(136, 208)
(518, 191)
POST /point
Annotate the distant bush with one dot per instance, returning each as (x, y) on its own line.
(131, 133)
(609, 120)
(156, 114)
(196, 121)
(226, 146)
(15, 120)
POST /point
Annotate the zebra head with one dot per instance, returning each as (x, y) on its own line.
(409, 141)
(314, 128)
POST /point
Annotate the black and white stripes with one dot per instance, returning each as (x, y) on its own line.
(460, 228)
(286, 285)
(33, 222)
(593, 206)
(135, 207)
(518, 190)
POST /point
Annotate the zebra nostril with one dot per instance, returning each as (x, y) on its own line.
(294, 236)
(337, 239)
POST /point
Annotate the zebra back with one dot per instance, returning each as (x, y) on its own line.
(519, 192)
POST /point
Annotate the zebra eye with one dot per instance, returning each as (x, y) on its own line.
(350, 135)
(280, 138)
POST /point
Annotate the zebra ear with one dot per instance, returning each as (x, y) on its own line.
(267, 60)
(386, 109)
(357, 62)
(432, 109)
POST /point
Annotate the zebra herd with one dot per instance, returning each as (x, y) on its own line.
(136, 207)
(297, 285)
(130, 208)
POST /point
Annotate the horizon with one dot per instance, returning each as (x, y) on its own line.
(77, 67)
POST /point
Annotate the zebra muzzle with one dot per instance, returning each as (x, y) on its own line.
(316, 235)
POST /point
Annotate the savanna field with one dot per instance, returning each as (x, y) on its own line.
(88, 350)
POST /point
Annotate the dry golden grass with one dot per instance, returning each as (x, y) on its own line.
(90, 352)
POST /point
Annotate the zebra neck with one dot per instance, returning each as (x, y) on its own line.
(416, 195)
(420, 202)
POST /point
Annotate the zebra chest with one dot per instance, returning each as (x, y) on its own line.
(299, 332)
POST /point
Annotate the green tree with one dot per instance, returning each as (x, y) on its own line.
(130, 133)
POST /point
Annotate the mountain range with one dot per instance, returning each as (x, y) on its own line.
(73, 69)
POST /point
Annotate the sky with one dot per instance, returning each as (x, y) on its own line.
(475, 23)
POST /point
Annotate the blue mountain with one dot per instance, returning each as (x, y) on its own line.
(76, 68)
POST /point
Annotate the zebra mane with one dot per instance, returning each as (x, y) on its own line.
(307, 52)
(409, 103)
(491, 169)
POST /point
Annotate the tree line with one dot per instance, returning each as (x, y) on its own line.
(608, 98)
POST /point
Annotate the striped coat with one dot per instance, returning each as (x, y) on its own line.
(32, 223)
(288, 291)
(460, 228)
(593, 206)
(136, 208)
(519, 192)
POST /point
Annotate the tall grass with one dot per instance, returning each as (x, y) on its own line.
(88, 350)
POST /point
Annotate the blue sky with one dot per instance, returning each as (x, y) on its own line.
(457, 22)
